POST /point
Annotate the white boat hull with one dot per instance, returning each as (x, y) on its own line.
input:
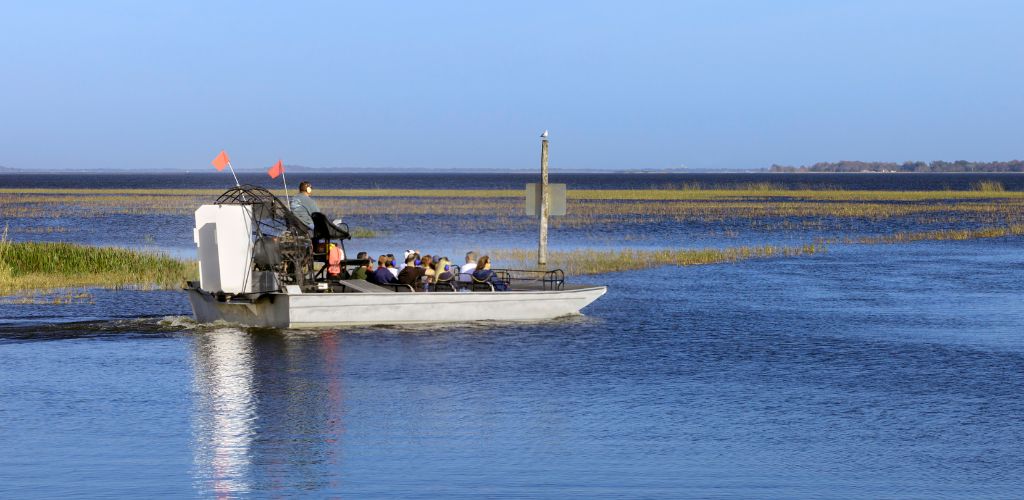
(318, 310)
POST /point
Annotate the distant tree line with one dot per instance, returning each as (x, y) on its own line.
(907, 166)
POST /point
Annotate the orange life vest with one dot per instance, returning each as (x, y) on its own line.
(333, 259)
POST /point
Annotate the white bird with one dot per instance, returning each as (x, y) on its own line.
(544, 134)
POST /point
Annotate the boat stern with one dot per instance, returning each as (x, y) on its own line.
(269, 310)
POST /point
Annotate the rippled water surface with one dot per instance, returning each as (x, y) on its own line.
(837, 375)
(867, 371)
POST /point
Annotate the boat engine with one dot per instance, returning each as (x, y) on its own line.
(249, 242)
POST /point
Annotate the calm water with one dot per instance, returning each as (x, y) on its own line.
(868, 371)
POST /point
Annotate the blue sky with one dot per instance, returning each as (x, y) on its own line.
(621, 85)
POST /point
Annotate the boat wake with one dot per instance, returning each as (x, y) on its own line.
(156, 327)
(48, 330)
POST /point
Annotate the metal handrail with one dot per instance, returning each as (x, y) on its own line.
(549, 280)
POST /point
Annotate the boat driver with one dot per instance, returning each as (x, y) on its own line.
(303, 204)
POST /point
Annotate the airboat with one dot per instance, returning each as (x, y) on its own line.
(259, 265)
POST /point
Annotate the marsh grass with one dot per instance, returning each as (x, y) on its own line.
(581, 212)
(50, 297)
(983, 189)
(212, 194)
(6, 271)
(989, 186)
(42, 230)
(762, 187)
(761, 207)
(44, 266)
(759, 192)
(363, 233)
(586, 261)
(946, 234)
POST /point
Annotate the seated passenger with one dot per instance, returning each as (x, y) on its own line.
(382, 276)
(466, 271)
(361, 272)
(410, 274)
(405, 258)
(443, 271)
(483, 274)
(391, 265)
(427, 263)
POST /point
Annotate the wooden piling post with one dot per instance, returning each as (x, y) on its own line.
(545, 203)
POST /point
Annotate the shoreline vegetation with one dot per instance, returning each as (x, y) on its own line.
(986, 211)
(842, 166)
(38, 267)
(945, 235)
(584, 262)
(979, 190)
(943, 167)
(587, 207)
(761, 205)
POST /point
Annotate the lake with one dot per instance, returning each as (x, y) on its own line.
(863, 371)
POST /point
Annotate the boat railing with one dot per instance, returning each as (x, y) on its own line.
(525, 278)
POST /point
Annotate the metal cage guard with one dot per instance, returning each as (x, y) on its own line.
(275, 223)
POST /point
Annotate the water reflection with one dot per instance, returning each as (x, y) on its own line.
(268, 412)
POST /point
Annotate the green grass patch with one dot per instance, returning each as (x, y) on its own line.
(43, 266)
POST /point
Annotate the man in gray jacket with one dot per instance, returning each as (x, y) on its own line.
(303, 205)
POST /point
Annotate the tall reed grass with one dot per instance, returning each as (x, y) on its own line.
(989, 186)
(36, 265)
(6, 271)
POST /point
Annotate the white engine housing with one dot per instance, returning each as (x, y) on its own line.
(223, 236)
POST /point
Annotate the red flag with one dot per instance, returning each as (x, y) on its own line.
(276, 170)
(221, 161)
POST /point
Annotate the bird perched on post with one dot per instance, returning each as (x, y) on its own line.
(544, 134)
